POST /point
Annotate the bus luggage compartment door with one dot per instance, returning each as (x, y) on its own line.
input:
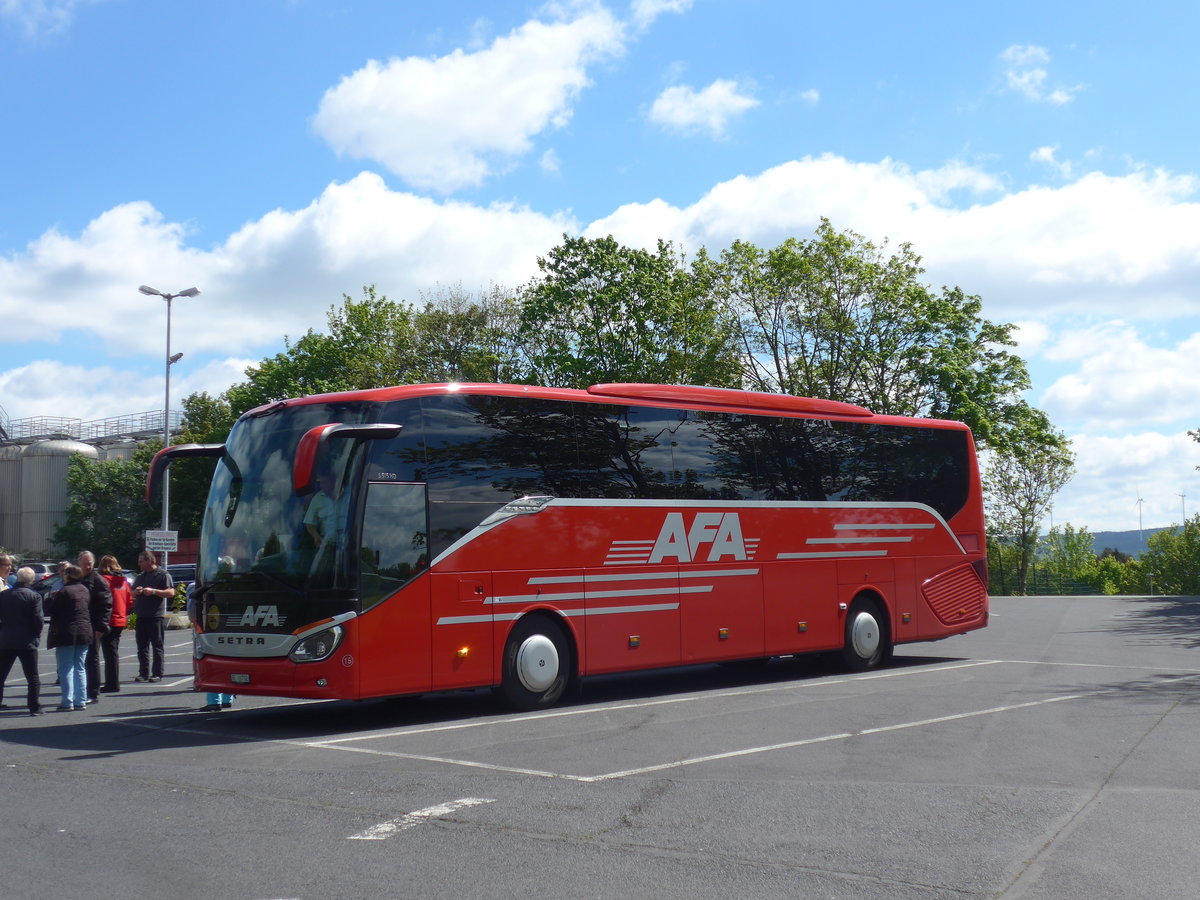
(462, 629)
(632, 619)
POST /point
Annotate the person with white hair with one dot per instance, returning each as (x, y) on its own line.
(21, 623)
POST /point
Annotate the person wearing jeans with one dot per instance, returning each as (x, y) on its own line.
(70, 635)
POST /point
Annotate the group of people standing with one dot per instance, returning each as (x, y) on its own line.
(87, 615)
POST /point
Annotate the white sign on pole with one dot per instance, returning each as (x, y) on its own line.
(162, 541)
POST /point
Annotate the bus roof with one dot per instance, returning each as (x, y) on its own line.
(661, 395)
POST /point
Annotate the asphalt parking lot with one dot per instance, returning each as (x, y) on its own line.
(1051, 755)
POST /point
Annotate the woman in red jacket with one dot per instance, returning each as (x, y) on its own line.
(111, 642)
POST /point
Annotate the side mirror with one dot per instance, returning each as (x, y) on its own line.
(166, 456)
(311, 449)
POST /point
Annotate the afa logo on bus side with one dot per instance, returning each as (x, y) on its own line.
(720, 533)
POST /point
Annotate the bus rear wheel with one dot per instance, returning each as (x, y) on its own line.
(537, 664)
(867, 644)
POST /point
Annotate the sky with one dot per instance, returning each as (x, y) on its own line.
(281, 153)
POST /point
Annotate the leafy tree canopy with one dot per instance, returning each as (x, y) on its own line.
(107, 511)
(839, 318)
(603, 312)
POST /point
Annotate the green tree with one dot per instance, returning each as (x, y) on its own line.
(1171, 563)
(376, 342)
(461, 338)
(1068, 552)
(1020, 482)
(602, 312)
(107, 511)
(839, 318)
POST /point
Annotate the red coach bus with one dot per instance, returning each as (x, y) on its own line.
(439, 536)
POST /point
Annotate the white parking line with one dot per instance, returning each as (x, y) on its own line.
(339, 744)
(385, 830)
(343, 744)
(643, 704)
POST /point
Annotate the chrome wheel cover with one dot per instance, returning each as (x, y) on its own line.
(864, 635)
(537, 663)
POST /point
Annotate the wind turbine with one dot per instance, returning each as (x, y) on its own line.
(1182, 506)
(1140, 501)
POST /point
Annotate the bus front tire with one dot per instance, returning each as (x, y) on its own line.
(867, 644)
(537, 664)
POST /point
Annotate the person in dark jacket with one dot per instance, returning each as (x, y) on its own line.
(71, 633)
(100, 608)
(20, 634)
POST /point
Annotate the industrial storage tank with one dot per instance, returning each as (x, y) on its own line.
(44, 491)
(123, 450)
(10, 496)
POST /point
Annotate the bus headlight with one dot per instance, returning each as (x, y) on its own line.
(317, 647)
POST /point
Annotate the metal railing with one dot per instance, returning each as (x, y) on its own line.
(133, 426)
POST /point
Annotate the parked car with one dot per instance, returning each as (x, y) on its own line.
(182, 573)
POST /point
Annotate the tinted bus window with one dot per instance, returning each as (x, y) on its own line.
(403, 457)
(395, 539)
(714, 458)
(482, 452)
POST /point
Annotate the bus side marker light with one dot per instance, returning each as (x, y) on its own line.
(635, 641)
(723, 634)
(843, 607)
(906, 617)
(464, 652)
(802, 627)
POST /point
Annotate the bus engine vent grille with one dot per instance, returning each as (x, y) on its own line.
(956, 595)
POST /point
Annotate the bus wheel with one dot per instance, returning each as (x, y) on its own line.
(866, 644)
(537, 664)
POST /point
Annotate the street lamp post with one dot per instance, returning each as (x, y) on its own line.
(171, 360)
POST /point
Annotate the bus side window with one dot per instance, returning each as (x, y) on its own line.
(395, 539)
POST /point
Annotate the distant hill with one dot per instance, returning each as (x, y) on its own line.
(1130, 542)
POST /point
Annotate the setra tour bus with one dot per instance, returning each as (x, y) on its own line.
(440, 536)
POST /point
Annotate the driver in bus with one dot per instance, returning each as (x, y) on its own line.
(320, 519)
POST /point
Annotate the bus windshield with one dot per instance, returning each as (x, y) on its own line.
(260, 536)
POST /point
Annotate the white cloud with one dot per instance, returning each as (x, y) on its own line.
(644, 12)
(685, 110)
(40, 17)
(812, 95)
(1031, 336)
(1047, 156)
(1070, 248)
(49, 388)
(1026, 74)
(449, 122)
(550, 163)
(275, 276)
(1122, 381)
(1112, 472)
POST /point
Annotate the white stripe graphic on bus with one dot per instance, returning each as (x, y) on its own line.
(571, 613)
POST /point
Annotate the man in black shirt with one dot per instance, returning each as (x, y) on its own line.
(151, 590)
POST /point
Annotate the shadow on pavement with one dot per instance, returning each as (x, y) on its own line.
(173, 721)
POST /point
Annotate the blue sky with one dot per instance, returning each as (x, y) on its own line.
(277, 154)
